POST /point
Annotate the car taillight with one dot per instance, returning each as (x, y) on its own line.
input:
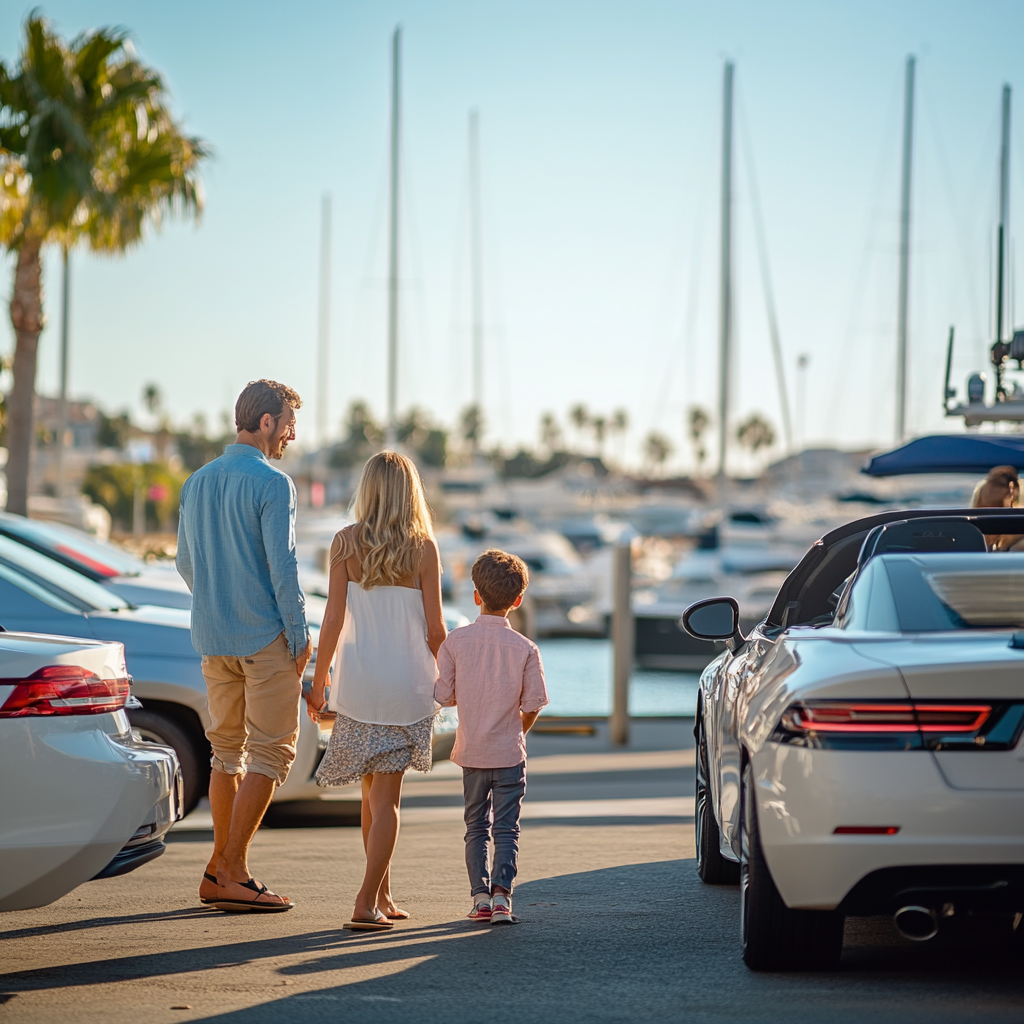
(63, 690)
(835, 716)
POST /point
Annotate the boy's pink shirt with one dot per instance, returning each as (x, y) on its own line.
(490, 673)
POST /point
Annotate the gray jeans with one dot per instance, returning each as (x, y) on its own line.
(494, 798)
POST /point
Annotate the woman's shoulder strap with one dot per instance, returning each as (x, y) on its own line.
(345, 543)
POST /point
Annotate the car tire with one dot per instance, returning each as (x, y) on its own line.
(155, 727)
(712, 867)
(776, 937)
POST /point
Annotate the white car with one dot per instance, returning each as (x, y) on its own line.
(82, 798)
(860, 752)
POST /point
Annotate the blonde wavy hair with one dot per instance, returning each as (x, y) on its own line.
(393, 521)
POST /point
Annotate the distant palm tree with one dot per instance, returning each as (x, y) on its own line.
(550, 432)
(657, 449)
(698, 423)
(619, 426)
(88, 152)
(755, 433)
(599, 425)
(472, 426)
(580, 418)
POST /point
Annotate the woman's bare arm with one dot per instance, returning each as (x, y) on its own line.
(330, 631)
(430, 581)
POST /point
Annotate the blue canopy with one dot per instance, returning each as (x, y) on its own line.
(950, 453)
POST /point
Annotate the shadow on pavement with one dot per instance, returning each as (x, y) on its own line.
(636, 943)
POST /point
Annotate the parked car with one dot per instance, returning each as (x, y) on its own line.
(860, 751)
(82, 797)
(42, 594)
(137, 581)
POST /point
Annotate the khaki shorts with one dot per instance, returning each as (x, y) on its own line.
(254, 711)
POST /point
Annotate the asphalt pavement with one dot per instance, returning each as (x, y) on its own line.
(615, 927)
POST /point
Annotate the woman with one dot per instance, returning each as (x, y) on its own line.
(384, 605)
(1000, 489)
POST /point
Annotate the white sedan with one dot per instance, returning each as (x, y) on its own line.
(860, 752)
(82, 797)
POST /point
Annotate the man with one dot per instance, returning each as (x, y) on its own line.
(236, 552)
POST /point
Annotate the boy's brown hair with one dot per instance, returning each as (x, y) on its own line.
(500, 579)
(260, 397)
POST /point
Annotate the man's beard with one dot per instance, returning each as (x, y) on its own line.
(278, 451)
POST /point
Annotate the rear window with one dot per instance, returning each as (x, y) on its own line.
(937, 592)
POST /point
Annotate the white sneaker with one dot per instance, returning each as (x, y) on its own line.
(501, 909)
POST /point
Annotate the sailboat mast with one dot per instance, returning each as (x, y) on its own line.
(391, 433)
(476, 260)
(725, 293)
(904, 286)
(324, 322)
(1004, 214)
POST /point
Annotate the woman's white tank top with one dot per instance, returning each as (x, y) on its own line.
(384, 673)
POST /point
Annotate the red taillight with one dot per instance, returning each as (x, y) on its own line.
(843, 717)
(63, 690)
(865, 830)
(90, 563)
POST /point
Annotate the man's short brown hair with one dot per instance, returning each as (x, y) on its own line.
(261, 397)
(500, 579)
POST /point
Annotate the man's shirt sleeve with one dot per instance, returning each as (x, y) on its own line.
(535, 691)
(444, 688)
(277, 522)
(183, 559)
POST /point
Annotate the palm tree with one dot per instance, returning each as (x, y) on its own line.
(698, 423)
(657, 449)
(755, 433)
(550, 432)
(89, 153)
(619, 426)
(579, 417)
(471, 426)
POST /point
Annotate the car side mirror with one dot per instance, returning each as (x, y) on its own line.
(716, 618)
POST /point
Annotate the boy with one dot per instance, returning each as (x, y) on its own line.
(494, 676)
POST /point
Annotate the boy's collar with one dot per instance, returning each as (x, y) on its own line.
(496, 619)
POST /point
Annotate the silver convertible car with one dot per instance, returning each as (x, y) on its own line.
(860, 752)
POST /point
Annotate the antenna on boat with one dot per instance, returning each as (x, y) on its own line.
(725, 285)
(324, 322)
(901, 319)
(391, 431)
(476, 262)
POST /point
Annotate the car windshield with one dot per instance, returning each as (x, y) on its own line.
(58, 579)
(931, 592)
(74, 545)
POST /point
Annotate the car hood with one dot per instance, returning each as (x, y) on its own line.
(148, 629)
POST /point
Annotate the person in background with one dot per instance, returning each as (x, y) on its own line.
(236, 552)
(384, 619)
(1000, 489)
(494, 676)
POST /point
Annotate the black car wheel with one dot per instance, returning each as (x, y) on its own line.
(155, 727)
(775, 937)
(712, 867)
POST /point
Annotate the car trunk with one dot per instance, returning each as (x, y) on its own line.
(979, 670)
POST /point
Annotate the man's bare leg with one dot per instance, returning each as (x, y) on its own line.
(385, 796)
(238, 808)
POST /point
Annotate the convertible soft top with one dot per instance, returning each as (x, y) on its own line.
(805, 594)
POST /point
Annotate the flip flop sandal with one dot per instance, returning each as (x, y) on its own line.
(379, 924)
(245, 906)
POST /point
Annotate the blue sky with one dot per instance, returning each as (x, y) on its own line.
(600, 138)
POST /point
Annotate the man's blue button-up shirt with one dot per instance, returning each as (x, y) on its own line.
(236, 552)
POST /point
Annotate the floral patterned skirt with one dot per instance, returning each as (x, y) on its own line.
(359, 748)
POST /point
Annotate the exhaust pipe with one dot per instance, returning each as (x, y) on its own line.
(916, 923)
